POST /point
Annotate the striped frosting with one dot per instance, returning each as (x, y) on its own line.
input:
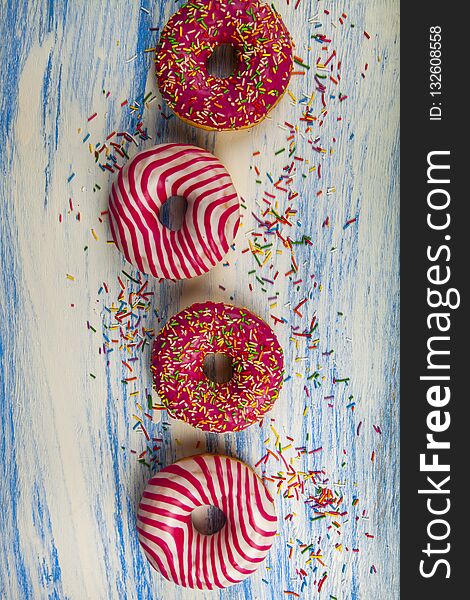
(179, 551)
(210, 223)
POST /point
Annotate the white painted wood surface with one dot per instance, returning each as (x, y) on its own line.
(71, 481)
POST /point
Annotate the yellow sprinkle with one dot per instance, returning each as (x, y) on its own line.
(267, 258)
(71, 277)
(294, 99)
(94, 234)
(276, 434)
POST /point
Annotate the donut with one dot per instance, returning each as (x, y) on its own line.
(188, 394)
(264, 62)
(210, 222)
(177, 550)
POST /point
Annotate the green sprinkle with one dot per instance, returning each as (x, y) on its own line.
(131, 278)
(299, 62)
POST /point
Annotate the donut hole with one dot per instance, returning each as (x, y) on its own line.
(223, 61)
(218, 367)
(208, 519)
(172, 212)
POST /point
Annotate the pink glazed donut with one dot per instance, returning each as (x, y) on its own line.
(178, 367)
(211, 219)
(264, 63)
(177, 550)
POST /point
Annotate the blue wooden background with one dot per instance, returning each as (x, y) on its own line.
(80, 431)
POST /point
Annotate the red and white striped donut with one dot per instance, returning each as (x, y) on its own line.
(210, 223)
(178, 550)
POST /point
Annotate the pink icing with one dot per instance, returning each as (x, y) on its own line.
(178, 358)
(264, 50)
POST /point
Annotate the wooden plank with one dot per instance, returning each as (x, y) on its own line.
(71, 480)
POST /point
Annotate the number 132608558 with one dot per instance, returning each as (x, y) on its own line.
(435, 71)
